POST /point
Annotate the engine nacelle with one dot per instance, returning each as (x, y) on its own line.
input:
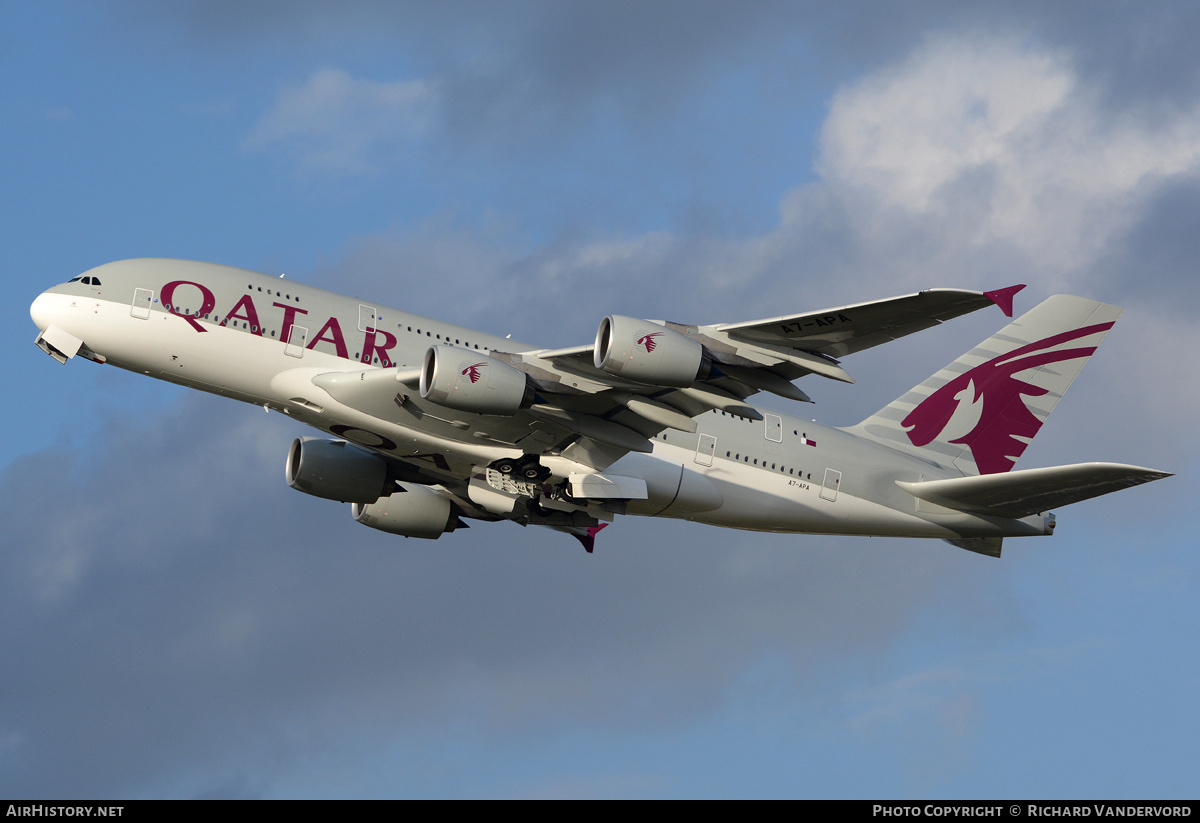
(415, 512)
(335, 470)
(647, 352)
(464, 380)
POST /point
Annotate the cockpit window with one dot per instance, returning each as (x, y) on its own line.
(75, 279)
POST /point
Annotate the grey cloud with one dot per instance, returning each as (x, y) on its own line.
(575, 52)
(1160, 256)
(214, 631)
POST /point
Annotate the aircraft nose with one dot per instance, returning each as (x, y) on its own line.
(42, 311)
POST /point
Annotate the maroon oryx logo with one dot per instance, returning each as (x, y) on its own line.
(1005, 425)
(648, 342)
(473, 372)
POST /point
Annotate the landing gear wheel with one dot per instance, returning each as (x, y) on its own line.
(525, 470)
(531, 471)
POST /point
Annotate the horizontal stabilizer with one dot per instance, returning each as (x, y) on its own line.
(1029, 491)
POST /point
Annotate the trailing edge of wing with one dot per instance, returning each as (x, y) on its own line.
(1029, 491)
(841, 331)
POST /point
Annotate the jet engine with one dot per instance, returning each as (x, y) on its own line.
(647, 352)
(335, 470)
(465, 380)
(417, 511)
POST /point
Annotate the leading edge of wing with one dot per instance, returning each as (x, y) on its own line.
(848, 329)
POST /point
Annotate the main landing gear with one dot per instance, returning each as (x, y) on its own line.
(525, 470)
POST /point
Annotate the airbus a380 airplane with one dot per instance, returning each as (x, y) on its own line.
(437, 424)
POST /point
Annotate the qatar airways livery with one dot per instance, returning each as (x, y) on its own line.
(434, 424)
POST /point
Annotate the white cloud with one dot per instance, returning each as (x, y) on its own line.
(1006, 143)
(337, 123)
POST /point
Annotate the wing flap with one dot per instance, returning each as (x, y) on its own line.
(1030, 491)
(980, 545)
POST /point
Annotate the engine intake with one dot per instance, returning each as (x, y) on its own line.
(464, 380)
(335, 470)
(647, 352)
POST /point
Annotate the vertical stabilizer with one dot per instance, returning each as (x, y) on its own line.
(980, 412)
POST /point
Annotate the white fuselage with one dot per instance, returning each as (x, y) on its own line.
(263, 339)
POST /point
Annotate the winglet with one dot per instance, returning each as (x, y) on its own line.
(1004, 298)
(589, 542)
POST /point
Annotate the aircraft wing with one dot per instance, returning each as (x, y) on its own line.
(841, 331)
(828, 333)
(594, 403)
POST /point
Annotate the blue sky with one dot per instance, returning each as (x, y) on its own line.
(175, 622)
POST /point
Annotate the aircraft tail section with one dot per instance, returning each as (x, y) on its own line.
(980, 412)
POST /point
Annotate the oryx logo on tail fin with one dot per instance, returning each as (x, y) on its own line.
(978, 414)
(984, 408)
